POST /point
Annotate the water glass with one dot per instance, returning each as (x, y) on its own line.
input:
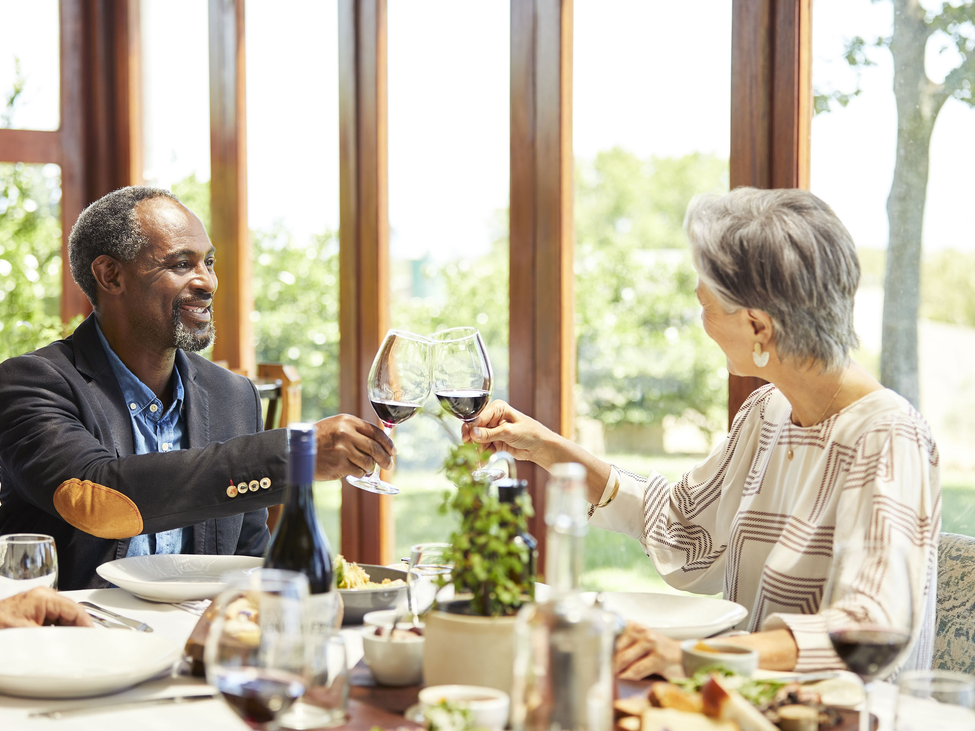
(933, 699)
(327, 692)
(427, 561)
(27, 560)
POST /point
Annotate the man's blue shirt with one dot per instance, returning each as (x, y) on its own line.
(154, 430)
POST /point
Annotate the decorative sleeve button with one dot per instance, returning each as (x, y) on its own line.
(242, 487)
(232, 491)
(265, 483)
(253, 485)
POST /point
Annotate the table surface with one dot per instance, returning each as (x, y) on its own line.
(368, 706)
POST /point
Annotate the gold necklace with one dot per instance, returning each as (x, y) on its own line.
(835, 394)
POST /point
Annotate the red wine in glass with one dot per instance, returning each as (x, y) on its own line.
(869, 652)
(259, 696)
(391, 413)
(464, 403)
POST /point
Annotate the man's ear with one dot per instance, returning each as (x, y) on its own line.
(108, 274)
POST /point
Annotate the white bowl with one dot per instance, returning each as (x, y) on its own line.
(488, 706)
(384, 617)
(697, 654)
(396, 661)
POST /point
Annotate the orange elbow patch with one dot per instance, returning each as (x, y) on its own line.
(98, 510)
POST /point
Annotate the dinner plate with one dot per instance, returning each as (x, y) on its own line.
(74, 662)
(174, 577)
(678, 616)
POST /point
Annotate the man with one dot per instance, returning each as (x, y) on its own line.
(119, 440)
(41, 606)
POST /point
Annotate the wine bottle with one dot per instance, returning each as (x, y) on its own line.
(299, 542)
(564, 655)
(510, 490)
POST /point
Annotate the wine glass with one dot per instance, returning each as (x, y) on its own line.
(868, 607)
(255, 651)
(27, 560)
(462, 378)
(427, 560)
(399, 383)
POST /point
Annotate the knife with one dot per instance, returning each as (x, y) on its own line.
(131, 623)
(111, 706)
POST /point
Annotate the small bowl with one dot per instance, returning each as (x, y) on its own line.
(360, 601)
(396, 661)
(383, 618)
(488, 706)
(697, 654)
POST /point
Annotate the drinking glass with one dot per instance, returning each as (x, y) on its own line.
(27, 560)
(427, 561)
(462, 377)
(327, 693)
(399, 383)
(949, 699)
(255, 651)
(868, 607)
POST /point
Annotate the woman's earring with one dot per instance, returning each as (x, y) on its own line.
(760, 358)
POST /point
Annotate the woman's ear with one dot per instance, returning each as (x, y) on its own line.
(761, 326)
(107, 274)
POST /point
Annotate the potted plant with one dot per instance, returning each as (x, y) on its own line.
(471, 638)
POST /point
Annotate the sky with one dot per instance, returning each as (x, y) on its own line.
(654, 85)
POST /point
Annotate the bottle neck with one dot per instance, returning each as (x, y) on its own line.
(299, 494)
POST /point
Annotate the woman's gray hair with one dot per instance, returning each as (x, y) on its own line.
(108, 226)
(783, 252)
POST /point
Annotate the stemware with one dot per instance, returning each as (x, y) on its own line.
(462, 377)
(27, 560)
(399, 383)
(255, 652)
(427, 561)
(868, 607)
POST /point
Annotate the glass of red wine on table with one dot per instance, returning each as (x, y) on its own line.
(399, 383)
(462, 378)
(868, 607)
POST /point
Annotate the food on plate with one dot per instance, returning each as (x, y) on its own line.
(725, 703)
(413, 633)
(349, 575)
(668, 719)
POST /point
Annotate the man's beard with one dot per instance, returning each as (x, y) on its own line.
(191, 341)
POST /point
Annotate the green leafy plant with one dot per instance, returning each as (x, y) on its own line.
(488, 561)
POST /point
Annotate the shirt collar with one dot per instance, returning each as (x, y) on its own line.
(138, 396)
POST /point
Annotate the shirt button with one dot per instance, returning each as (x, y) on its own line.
(153, 408)
(253, 485)
(242, 487)
(265, 483)
(165, 447)
(231, 491)
(133, 407)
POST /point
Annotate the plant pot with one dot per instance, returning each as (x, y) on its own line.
(465, 650)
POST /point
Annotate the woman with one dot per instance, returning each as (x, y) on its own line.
(820, 456)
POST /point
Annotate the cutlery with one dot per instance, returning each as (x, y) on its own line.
(121, 704)
(101, 621)
(130, 623)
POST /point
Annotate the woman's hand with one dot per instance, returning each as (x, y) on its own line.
(641, 652)
(501, 428)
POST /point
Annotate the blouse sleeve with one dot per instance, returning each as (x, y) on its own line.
(891, 497)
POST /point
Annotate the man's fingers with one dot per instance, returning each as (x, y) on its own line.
(640, 649)
(377, 436)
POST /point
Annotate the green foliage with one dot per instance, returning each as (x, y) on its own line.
(488, 562)
(948, 287)
(195, 195)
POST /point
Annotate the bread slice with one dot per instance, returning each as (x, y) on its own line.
(669, 719)
(729, 705)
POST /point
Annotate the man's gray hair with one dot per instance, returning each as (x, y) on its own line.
(783, 252)
(108, 226)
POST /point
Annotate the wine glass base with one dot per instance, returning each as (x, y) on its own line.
(372, 485)
(491, 474)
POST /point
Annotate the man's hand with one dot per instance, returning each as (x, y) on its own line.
(347, 445)
(41, 606)
(641, 652)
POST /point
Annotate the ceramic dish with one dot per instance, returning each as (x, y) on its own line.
(698, 654)
(360, 601)
(75, 662)
(174, 578)
(678, 616)
(488, 706)
(396, 661)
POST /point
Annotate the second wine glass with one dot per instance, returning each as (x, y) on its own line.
(399, 383)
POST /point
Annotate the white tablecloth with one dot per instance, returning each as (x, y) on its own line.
(168, 621)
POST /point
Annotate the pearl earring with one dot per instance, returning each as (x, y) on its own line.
(760, 358)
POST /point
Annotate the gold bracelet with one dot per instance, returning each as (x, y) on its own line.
(612, 495)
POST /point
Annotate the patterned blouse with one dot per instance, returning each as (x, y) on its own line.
(760, 518)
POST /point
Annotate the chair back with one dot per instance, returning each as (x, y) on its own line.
(954, 641)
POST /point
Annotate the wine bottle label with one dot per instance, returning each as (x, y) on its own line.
(322, 609)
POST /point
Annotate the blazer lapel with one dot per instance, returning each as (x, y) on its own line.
(196, 413)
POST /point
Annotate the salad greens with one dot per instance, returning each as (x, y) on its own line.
(757, 692)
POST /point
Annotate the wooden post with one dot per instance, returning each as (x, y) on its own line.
(367, 519)
(542, 345)
(233, 300)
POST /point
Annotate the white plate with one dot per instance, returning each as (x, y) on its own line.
(678, 616)
(74, 662)
(174, 578)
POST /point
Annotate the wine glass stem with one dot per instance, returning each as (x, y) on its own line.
(865, 711)
(374, 477)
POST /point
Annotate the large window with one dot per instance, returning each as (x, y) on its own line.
(448, 200)
(30, 65)
(897, 171)
(652, 389)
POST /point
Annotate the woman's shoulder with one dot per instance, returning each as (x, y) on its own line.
(885, 414)
(765, 403)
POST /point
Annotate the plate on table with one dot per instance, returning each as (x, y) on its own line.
(75, 662)
(359, 601)
(678, 616)
(175, 577)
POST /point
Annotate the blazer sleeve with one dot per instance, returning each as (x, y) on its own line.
(56, 453)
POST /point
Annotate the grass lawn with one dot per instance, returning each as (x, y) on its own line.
(613, 562)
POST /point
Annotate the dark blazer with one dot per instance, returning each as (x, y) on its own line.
(68, 468)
